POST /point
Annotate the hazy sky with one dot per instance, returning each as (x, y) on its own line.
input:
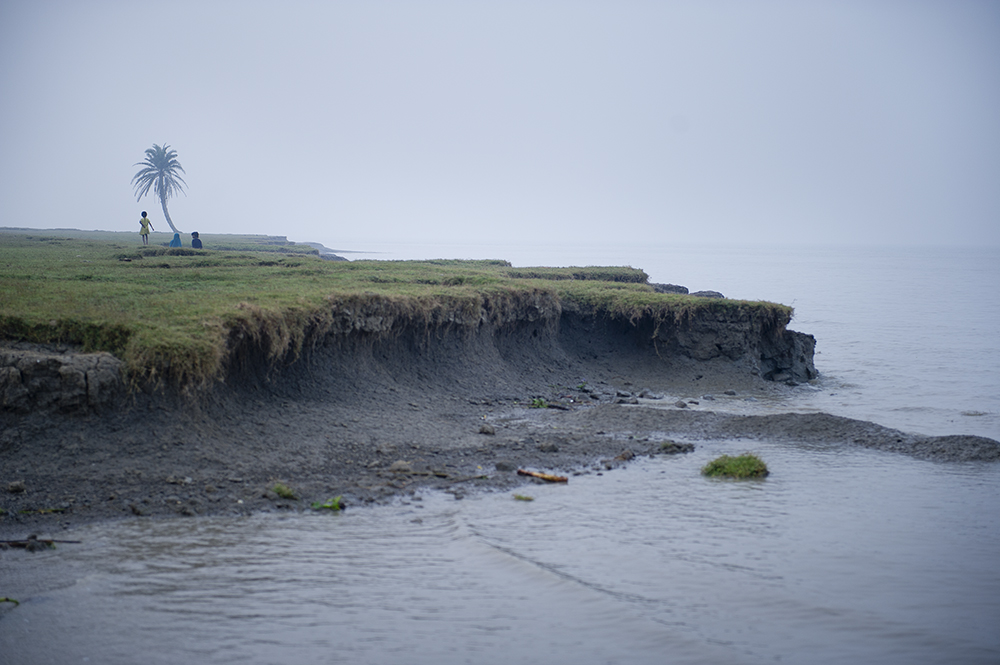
(596, 122)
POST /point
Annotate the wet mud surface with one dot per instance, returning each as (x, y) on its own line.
(375, 439)
(370, 418)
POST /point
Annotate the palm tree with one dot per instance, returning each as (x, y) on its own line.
(159, 171)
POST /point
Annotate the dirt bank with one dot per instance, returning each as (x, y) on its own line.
(380, 406)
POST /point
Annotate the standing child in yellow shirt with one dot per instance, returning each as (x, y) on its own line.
(146, 226)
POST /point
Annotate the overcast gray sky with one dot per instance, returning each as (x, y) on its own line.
(475, 121)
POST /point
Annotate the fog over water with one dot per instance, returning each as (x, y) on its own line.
(548, 122)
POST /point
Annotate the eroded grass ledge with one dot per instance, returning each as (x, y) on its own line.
(185, 319)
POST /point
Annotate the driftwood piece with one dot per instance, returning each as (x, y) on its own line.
(34, 543)
(544, 476)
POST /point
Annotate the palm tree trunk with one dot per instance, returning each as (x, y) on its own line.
(166, 215)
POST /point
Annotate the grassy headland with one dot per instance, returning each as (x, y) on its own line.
(170, 313)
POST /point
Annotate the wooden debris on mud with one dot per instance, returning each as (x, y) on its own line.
(548, 477)
(34, 544)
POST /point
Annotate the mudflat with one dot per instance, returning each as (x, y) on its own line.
(369, 421)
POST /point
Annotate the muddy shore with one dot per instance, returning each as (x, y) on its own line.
(368, 418)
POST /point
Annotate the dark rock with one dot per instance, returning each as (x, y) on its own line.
(35, 545)
(486, 428)
(707, 294)
(681, 404)
(16, 487)
(674, 448)
(504, 465)
(788, 357)
(548, 448)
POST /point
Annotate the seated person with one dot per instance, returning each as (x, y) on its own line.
(195, 240)
(176, 242)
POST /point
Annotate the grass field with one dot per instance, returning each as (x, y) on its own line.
(168, 313)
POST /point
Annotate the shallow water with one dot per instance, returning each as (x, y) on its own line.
(840, 555)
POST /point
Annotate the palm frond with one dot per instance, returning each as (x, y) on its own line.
(160, 173)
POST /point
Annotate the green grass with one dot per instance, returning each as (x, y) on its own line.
(742, 466)
(333, 505)
(593, 273)
(284, 491)
(176, 315)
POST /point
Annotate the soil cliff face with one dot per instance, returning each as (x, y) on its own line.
(531, 334)
(760, 348)
(33, 378)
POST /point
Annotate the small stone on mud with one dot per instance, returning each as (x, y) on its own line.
(504, 465)
(401, 466)
(548, 448)
(486, 428)
(16, 487)
(35, 545)
(680, 404)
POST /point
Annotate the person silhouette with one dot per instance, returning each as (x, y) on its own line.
(176, 242)
(146, 225)
(195, 240)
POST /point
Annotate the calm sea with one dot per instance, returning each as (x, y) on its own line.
(842, 555)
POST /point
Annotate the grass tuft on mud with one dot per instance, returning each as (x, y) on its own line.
(181, 316)
(741, 466)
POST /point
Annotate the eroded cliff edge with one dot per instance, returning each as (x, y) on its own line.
(375, 400)
(534, 332)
